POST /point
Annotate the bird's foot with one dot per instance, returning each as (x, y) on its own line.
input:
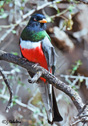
(35, 65)
(35, 77)
(31, 81)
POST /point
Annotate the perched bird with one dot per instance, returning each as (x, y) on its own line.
(35, 46)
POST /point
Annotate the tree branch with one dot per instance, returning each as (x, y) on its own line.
(47, 75)
(83, 1)
(21, 104)
(9, 88)
(51, 78)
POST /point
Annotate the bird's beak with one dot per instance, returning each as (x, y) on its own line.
(43, 21)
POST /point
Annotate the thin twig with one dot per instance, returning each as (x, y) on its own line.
(6, 34)
(83, 1)
(75, 122)
(11, 25)
(74, 77)
(9, 88)
(81, 117)
(83, 120)
(29, 106)
(83, 108)
(58, 15)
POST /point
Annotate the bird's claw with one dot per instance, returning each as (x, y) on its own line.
(35, 65)
(30, 81)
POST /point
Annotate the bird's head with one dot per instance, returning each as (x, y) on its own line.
(38, 20)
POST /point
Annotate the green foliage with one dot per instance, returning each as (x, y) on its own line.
(75, 87)
(71, 8)
(22, 8)
(71, 79)
(8, 1)
(68, 24)
(14, 100)
(58, 11)
(20, 82)
(14, 53)
(58, 2)
(49, 19)
(1, 11)
(14, 31)
(1, 3)
(76, 66)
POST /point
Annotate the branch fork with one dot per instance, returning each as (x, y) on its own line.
(82, 116)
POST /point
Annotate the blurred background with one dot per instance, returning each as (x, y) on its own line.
(68, 28)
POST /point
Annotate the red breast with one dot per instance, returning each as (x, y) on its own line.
(35, 55)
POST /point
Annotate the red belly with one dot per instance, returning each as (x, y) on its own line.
(35, 55)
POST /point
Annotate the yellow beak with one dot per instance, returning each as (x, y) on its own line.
(43, 21)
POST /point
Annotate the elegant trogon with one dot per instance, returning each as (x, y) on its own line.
(35, 46)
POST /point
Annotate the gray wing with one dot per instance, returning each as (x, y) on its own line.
(49, 53)
(46, 89)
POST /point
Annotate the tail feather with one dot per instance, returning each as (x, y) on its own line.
(50, 104)
(57, 116)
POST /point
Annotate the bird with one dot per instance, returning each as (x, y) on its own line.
(36, 47)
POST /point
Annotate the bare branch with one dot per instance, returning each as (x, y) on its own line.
(21, 104)
(50, 78)
(82, 117)
(83, 1)
(83, 109)
(6, 34)
(9, 88)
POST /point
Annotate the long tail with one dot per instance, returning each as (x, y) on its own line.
(50, 104)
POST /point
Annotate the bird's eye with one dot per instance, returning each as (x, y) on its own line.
(35, 19)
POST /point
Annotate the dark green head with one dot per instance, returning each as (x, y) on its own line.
(35, 29)
(38, 18)
(37, 22)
